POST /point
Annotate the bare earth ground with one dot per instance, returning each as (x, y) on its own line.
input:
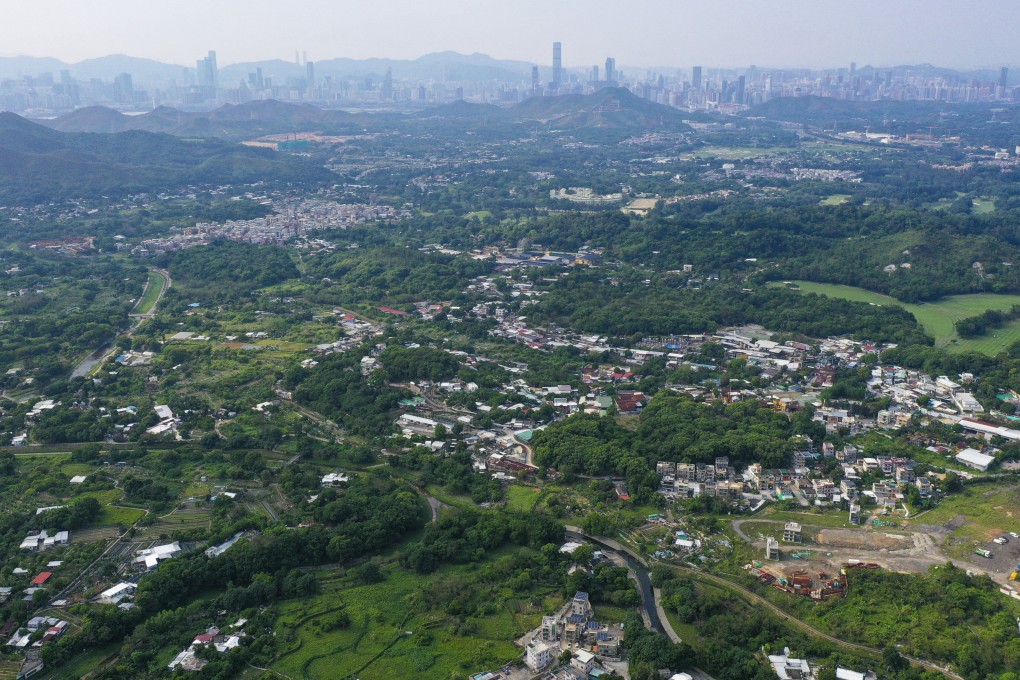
(896, 549)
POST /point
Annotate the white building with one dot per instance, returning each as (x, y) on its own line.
(791, 669)
(151, 557)
(583, 661)
(975, 459)
(335, 479)
(537, 655)
(966, 402)
(119, 592)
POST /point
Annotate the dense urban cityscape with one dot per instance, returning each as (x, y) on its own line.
(447, 77)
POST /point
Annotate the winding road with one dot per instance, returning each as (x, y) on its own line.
(655, 616)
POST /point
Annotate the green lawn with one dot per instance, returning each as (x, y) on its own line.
(936, 317)
(835, 199)
(112, 516)
(72, 469)
(522, 497)
(145, 303)
(983, 206)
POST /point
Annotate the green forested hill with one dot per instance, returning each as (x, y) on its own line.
(40, 164)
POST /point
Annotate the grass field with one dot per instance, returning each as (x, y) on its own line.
(983, 206)
(522, 497)
(112, 516)
(976, 516)
(835, 199)
(148, 299)
(72, 469)
(937, 317)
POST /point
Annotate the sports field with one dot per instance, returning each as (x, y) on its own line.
(936, 317)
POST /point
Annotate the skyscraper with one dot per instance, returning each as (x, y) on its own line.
(595, 73)
(1003, 76)
(696, 78)
(387, 85)
(557, 64)
(310, 74)
(534, 81)
(208, 74)
(610, 69)
(738, 97)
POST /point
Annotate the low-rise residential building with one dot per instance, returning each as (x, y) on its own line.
(537, 655)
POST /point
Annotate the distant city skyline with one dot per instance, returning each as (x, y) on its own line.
(645, 33)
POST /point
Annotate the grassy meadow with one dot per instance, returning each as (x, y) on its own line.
(936, 317)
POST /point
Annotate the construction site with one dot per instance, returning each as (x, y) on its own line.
(795, 579)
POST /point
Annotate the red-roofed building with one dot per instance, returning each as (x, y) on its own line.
(630, 402)
(42, 578)
(390, 310)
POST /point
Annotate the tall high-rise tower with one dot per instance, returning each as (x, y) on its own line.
(1003, 76)
(738, 97)
(696, 78)
(534, 81)
(310, 74)
(557, 64)
(208, 74)
(387, 85)
(610, 69)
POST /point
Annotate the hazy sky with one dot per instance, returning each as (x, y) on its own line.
(637, 32)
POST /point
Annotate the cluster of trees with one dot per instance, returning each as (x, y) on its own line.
(391, 275)
(470, 536)
(455, 472)
(402, 364)
(945, 615)
(626, 308)
(731, 636)
(605, 583)
(227, 268)
(673, 428)
(368, 516)
(979, 324)
(337, 390)
(77, 514)
(46, 165)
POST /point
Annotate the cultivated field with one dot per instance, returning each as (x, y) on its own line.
(390, 635)
(937, 317)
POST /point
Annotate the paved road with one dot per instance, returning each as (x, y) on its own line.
(652, 606)
(109, 347)
(639, 569)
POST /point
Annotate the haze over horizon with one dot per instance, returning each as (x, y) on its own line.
(652, 33)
